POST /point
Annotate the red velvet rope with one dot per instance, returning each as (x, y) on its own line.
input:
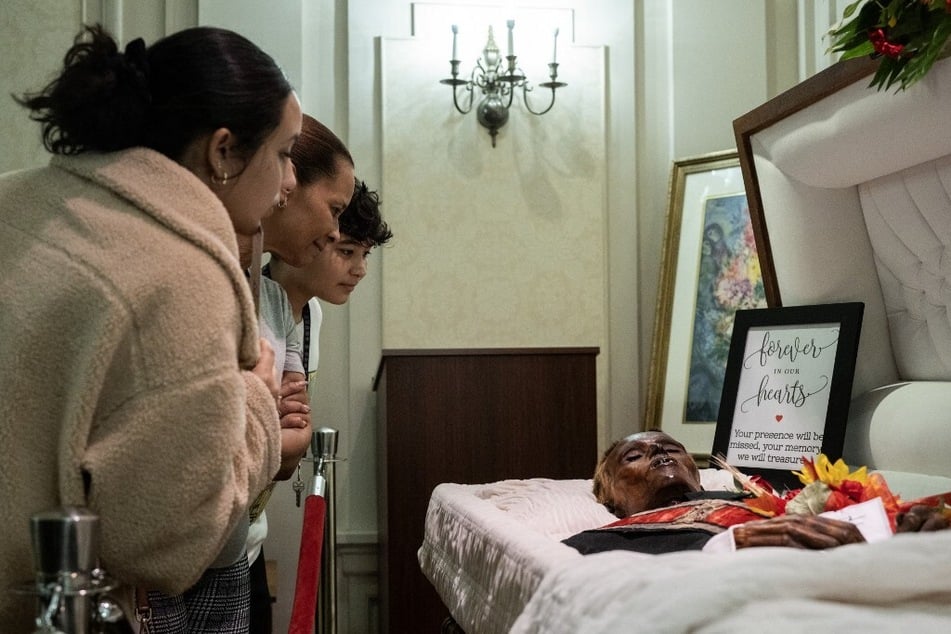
(304, 610)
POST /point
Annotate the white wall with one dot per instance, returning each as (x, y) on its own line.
(513, 235)
(28, 56)
(675, 76)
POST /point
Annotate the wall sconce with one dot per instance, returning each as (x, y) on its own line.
(498, 87)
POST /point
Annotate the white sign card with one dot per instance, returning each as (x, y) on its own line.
(787, 387)
(783, 395)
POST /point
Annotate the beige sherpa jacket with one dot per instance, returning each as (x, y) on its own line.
(125, 322)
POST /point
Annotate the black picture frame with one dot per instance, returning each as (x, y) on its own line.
(774, 410)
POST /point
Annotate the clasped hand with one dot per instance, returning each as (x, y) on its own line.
(797, 531)
(292, 405)
(815, 532)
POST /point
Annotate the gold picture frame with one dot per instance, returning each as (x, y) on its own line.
(709, 269)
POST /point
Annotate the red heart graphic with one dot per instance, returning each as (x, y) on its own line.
(779, 417)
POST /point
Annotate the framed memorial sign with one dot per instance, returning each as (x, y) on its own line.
(787, 388)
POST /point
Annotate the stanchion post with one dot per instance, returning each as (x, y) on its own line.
(324, 449)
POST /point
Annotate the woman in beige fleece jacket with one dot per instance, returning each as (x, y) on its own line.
(133, 380)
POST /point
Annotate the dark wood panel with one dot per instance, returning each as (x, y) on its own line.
(470, 417)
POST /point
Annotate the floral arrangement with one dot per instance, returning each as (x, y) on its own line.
(827, 486)
(907, 35)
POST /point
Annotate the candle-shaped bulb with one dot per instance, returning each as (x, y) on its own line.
(554, 50)
(455, 32)
(491, 52)
(511, 25)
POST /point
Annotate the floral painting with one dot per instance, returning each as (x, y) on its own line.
(729, 280)
(709, 270)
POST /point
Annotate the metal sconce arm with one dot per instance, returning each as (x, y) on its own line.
(498, 89)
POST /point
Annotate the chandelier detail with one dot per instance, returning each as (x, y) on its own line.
(498, 85)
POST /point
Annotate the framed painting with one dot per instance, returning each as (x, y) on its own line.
(787, 388)
(709, 270)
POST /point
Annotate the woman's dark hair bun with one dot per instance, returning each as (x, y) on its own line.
(164, 97)
(99, 102)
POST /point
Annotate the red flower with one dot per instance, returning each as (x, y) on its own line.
(837, 500)
(881, 44)
(853, 490)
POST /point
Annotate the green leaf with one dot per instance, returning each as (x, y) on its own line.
(859, 51)
(849, 10)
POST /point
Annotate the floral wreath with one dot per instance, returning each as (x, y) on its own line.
(827, 486)
(908, 36)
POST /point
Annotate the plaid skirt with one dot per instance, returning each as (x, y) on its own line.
(220, 603)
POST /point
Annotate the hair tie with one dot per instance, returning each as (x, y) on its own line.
(135, 64)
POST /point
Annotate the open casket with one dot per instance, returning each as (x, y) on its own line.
(494, 554)
(850, 194)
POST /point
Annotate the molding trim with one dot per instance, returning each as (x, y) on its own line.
(108, 13)
(358, 603)
(816, 18)
(178, 15)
